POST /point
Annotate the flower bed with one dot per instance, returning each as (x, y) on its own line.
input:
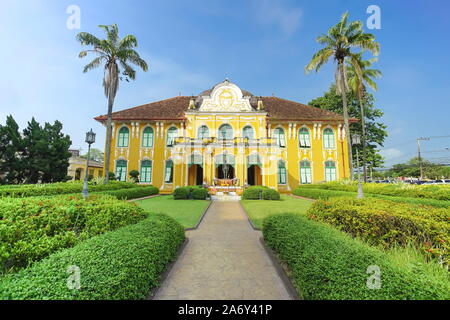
(122, 265)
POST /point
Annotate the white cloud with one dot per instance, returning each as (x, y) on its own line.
(287, 17)
(391, 154)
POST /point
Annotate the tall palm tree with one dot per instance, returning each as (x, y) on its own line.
(115, 55)
(339, 42)
(358, 81)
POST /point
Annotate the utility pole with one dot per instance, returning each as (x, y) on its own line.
(420, 156)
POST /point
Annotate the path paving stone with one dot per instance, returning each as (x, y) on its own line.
(223, 260)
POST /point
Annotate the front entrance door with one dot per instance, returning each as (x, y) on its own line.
(254, 177)
(225, 173)
(195, 175)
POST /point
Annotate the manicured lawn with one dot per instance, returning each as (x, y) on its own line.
(259, 209)
(186, 212)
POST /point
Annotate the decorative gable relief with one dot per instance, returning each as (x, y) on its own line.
(226, 97)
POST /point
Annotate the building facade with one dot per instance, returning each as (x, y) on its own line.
(77, 167)
(228, 137)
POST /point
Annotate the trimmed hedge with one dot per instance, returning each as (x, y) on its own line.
(36, 190)
(389, 223)
(33, 228)
(260, 193)
(133, 193)
(190, 192)
(120, 265)
(325, 263)
(437, 192)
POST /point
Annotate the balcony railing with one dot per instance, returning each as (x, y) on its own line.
(239, 141)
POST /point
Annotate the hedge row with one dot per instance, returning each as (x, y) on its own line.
(326, 194)
(133, 193)
(120, 265)
(387, 223)
(34, 190)
(260, 193)
(191, 192)
(327, 264)
(33, 228)
(438, 192)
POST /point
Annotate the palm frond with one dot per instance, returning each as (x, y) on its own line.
(94, 63)
(319, 59)
(87, 39)
(128, 42)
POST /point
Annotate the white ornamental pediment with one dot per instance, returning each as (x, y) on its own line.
(226, 97)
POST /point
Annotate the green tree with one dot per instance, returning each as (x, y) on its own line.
(11, 149)
(338, 43)
(96, 155)
(35, 149)
(375, 129)
(115, 55)
(358, 81)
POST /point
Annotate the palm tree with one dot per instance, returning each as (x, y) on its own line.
(115, 55)
(358, 81)
(339, 42)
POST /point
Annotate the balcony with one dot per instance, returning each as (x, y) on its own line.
(216, 142)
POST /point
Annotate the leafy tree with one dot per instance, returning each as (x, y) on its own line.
(375, 130)
(115, 55)
(11, 149)
(358, 81)
(412, 169)
(96, 155)
(338, 43)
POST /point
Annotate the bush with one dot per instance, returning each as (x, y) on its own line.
(389, 223)
(259, 193)
(181, 193)
(271, 194)
(199, 194)
(134, 174)
(33, 228)
(120, 265)
(51, 189)
(133, 193)
(327, 264)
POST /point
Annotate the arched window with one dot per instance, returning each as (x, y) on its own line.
(146, 171)
(124, 136)
(280, 138)
(171, 135)
(121, 170)
(330, 171)
(281, 172)
(248, 133)
(225, 132)
(203, 132)
(168, 173)
(305, 172)
(147, 138)
(304, 138)
(328, 139)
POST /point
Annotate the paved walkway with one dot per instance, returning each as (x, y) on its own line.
(223, 260)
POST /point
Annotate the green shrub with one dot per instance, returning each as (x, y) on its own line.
(259, 193)
(119, 265)
(181, 193)
(199, 194)
(325, 263)
(133, 193)
(271, 194)
(33, 228)
(36, 190)
(389, 223)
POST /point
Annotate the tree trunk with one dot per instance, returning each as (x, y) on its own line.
(363, 138)
(346, 118)
(108, 139)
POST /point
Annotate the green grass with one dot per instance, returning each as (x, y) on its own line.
(186, 212)
(257, 210)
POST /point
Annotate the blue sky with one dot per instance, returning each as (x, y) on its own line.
(263, 46)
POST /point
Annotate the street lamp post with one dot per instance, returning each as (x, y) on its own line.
(356, 140)
(90, 139)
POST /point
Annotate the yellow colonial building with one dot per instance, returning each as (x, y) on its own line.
(227, 137)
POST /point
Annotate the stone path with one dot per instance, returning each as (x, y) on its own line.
(223, 260)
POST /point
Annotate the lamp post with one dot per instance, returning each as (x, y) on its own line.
(356, 140)
(90, 139)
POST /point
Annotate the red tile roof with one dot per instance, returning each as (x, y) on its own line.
(174, 109)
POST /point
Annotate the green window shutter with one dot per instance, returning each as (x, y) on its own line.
(147, 138)
(146, 171)
(171, 135)
(328, 139)
(281, 172)
(280, 137)
(226, 132)
(124, 135)
(248, 133)
(121, 170)
(203, 132)
(304, 138)
(330, 171)
(168, 176)
(305, 172)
